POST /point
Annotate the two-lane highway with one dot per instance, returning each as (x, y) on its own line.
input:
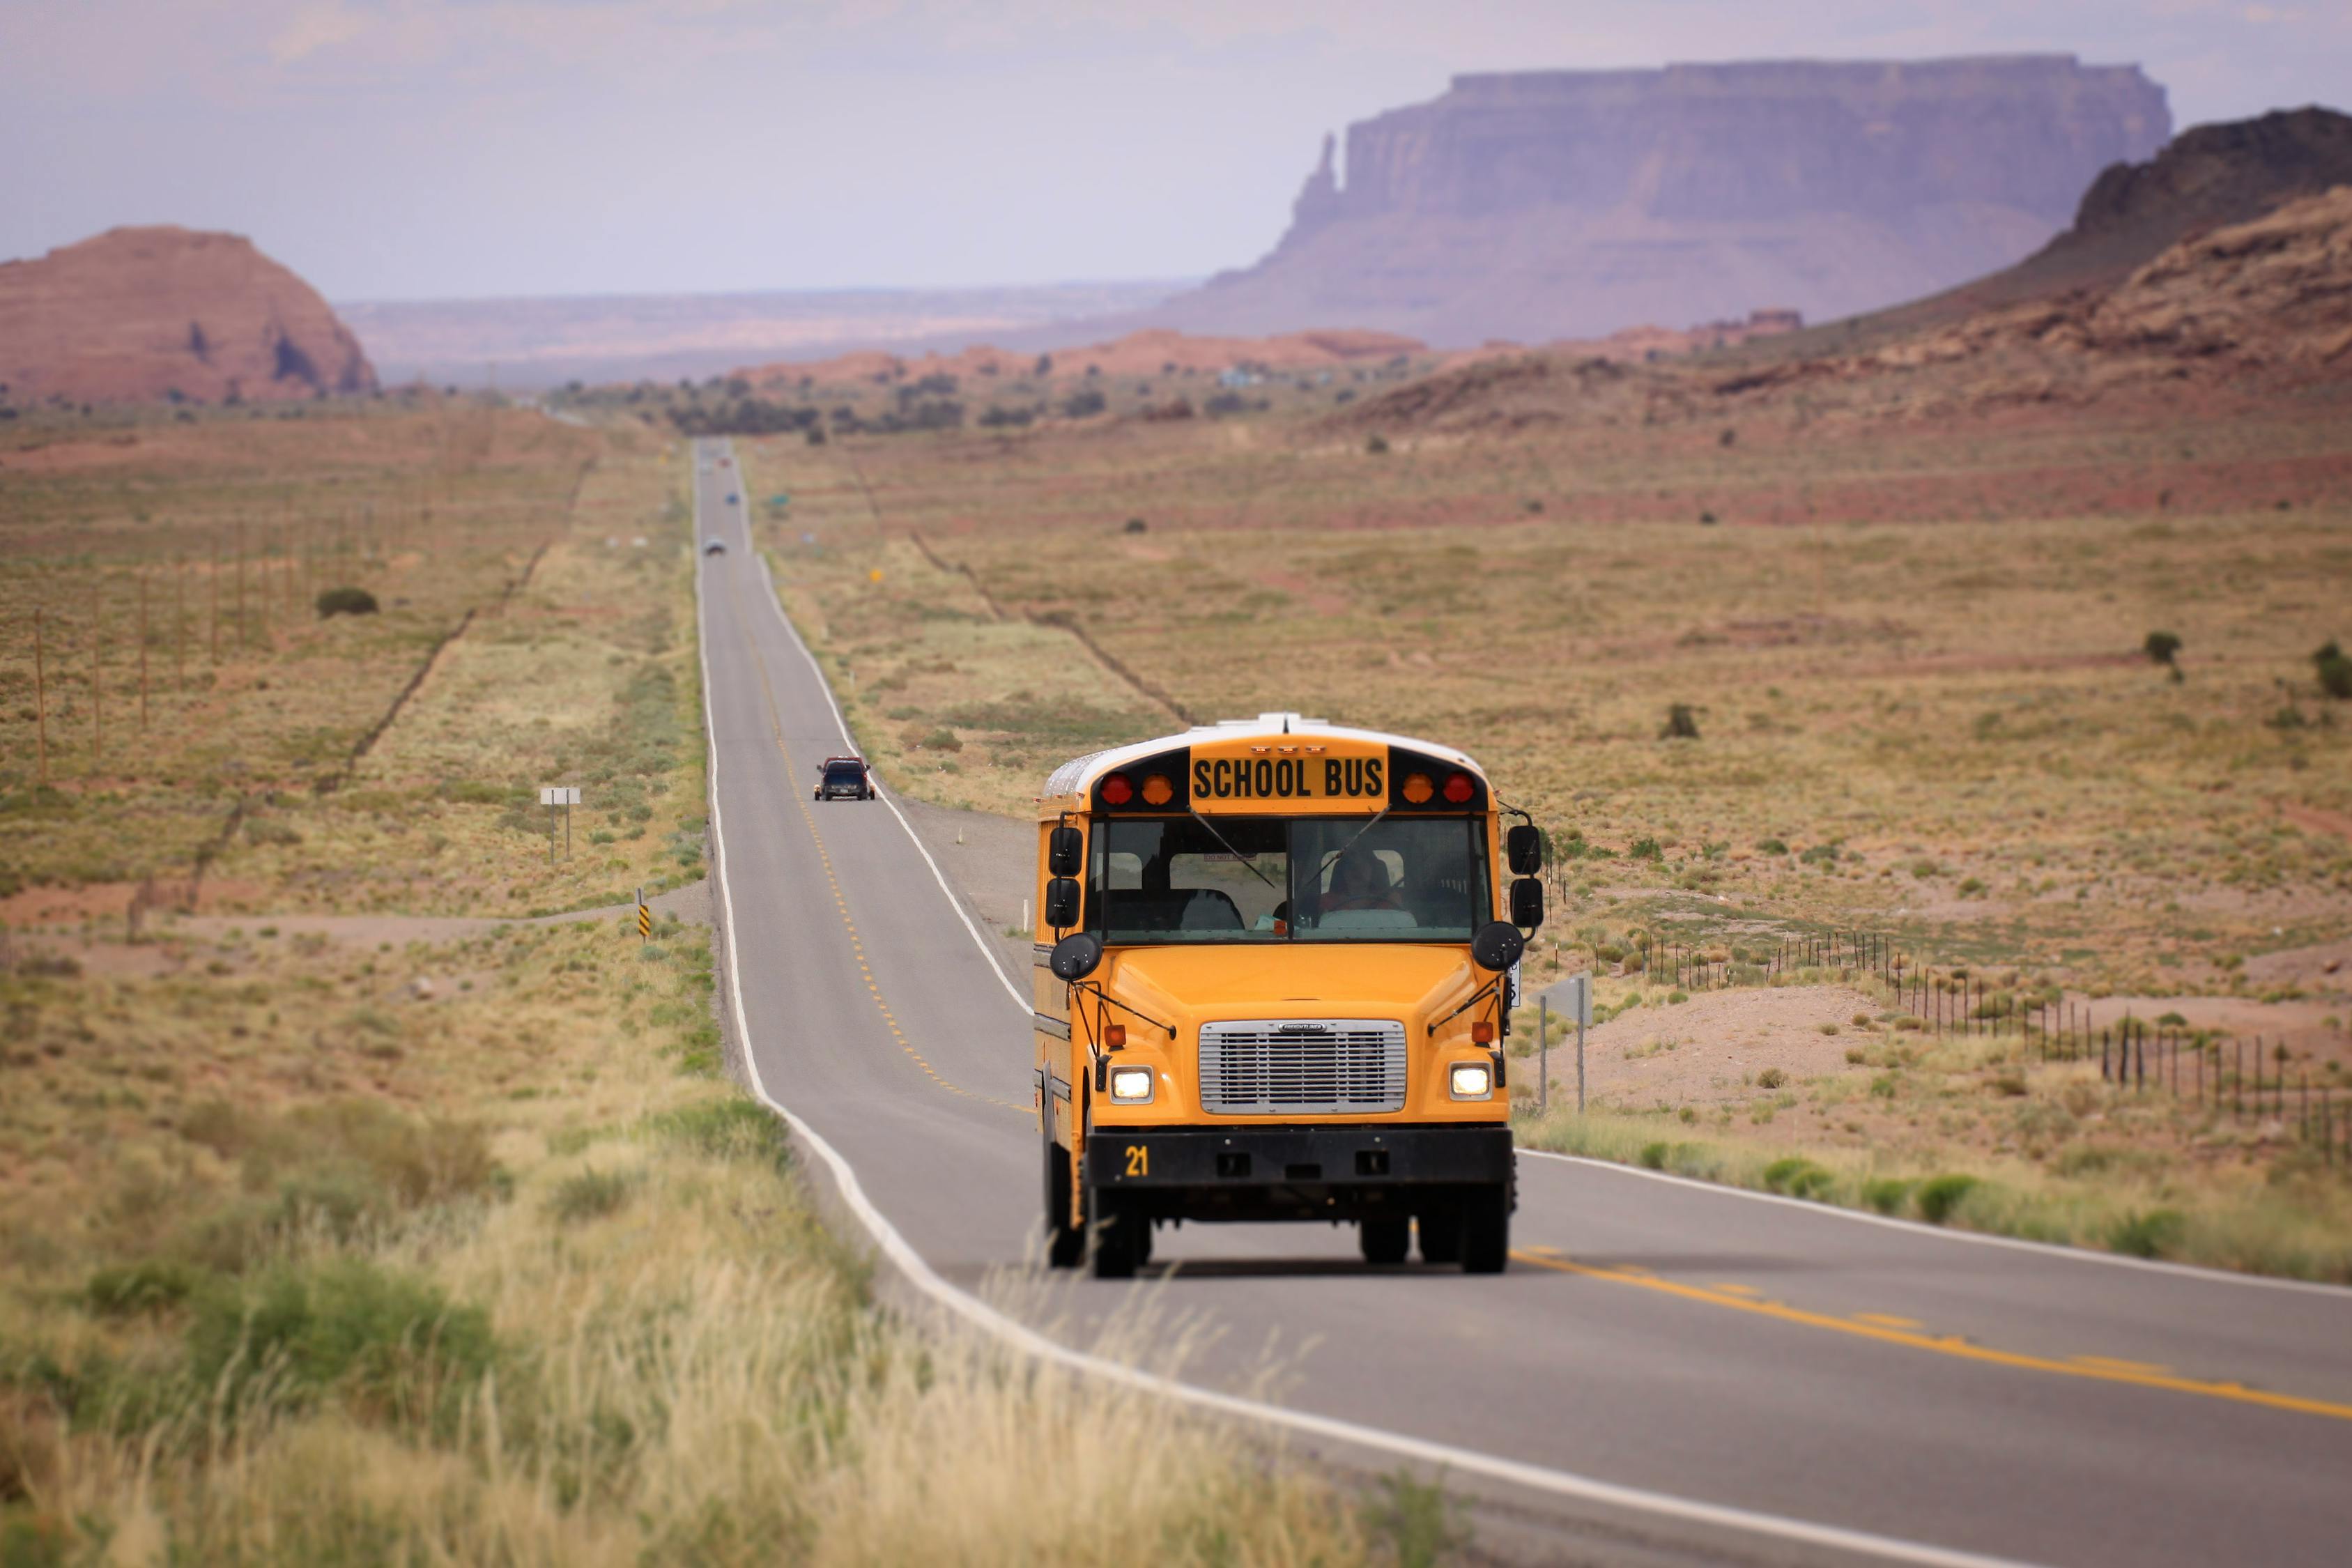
(1732, 1374)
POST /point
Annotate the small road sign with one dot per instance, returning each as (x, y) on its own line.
(645, 917)
(551, 797)
(1573, 998)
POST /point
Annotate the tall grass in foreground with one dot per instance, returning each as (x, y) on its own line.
(2292, 1218)
(696, 1376)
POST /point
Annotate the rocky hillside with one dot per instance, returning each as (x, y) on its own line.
(1574, 204)
(2208, 177)
(2252, 311)
(138, 314)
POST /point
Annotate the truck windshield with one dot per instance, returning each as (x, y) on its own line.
(1289, 880)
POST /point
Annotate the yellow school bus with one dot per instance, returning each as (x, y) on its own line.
(1273, 964)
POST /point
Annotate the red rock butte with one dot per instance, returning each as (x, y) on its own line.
(142, 314)
(1545, 205)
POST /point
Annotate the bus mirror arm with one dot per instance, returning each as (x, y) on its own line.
(1100, 995)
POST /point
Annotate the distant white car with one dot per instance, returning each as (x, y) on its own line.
(714, 547)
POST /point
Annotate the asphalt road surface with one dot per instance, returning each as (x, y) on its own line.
(1668, 1371)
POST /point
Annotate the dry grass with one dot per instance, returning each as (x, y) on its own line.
(388, 1238)
(1960, 710)
(569, 669)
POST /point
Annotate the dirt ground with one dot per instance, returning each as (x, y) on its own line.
(1709, 1049)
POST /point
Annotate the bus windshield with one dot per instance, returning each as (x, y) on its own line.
(1261, 878)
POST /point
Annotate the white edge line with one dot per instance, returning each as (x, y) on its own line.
(1020, 1337)
(1028, 1008)
(1940, 1233)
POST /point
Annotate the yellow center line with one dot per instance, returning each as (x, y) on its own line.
(2108, 1361)
(840, 903)
(2138, 1374)
(1889, 1320)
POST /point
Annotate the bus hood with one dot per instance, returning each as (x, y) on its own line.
(1191, 985)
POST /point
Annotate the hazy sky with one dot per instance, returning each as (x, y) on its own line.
(394, 148)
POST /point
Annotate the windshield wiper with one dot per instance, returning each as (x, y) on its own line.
(1248, 862)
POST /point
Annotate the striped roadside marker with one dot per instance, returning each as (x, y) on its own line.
(645, 917)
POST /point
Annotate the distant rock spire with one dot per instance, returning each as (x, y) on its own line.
(1319, 198)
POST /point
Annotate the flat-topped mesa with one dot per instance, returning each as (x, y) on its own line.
(1573, 204)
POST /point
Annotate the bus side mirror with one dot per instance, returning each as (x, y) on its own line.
(1497, 946)
(1526, 903)
(1075, 956)
(1523, 846)
(1063, 850)
(1061, 903)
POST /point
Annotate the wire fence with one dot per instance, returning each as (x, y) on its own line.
(2219, 1071)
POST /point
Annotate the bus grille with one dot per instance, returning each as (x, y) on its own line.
(1302, 1067)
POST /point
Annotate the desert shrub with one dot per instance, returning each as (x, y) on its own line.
(346, 602)
(2155, 1233)
(2335, 670)
(1770, 1078)
(1646, 850)
(589, 1194)
(941, 740)
(1771, 847)
(391, 1344)
(1373, 444)
(1682, 723)
(1084, 404)
(1797, 1176)
(1938, 1196)
(271, 830)
(1856, 1054)
(1885, 1194)
(1653, 1156)
(733, 1129)
(1419, 1522)
(149, 1286)
(2161, 648)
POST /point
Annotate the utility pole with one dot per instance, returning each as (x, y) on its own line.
(97, 685)
(143, 653)
(40, 697)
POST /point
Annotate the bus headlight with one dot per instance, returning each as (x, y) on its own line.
(1471, 1081)
(1132, 1085)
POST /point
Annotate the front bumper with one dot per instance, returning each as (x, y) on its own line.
(1349, 1171)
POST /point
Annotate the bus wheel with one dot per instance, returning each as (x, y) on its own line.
(1111, 1243)
(1487, 1231)
(1441, 1236)
(1065, 1242)
(1386, 1240)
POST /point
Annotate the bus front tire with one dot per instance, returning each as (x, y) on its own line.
(1386, 1240)
(1066, 1243)
(1116, 1243)
(1486, 1232)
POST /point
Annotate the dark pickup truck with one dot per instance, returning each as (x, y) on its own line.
(843, 778)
